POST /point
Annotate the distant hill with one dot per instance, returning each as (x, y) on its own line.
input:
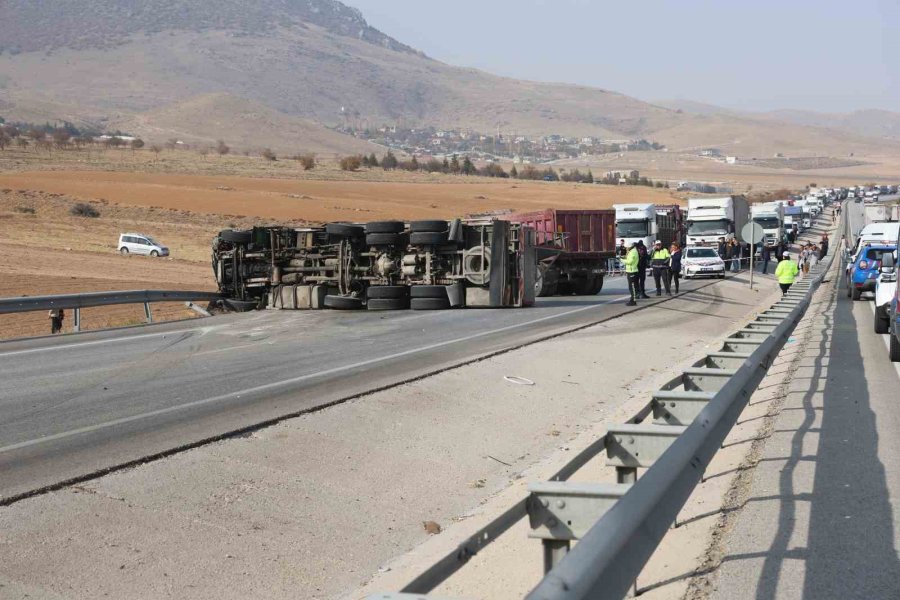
(211, 117)
(148, 63)
(873, 123)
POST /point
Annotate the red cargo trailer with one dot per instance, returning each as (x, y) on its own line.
(572, 249)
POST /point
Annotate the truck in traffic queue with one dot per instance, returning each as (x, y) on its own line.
(573, 249)
(770, 216)
(649, 223)
(382, 265)
(793, 217)
(881, 213)
(714, 218)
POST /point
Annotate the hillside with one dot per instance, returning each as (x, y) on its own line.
(146, 63)
(210, 117)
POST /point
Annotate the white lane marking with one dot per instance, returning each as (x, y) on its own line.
(292, 381)
(95, 342)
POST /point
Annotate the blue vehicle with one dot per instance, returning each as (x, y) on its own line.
(863, 273)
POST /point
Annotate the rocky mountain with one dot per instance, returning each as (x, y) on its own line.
(150, 63)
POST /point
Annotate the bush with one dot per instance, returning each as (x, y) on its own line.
(25, 210)
(269, 155)
(351, 163)
(307, 161)
(84, 210)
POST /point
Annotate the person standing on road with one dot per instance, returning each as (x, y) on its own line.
(56, 320)
(786, 272)
(632, 260)
(675, 264)
(726, 255)
(720, 248)
(621, 251)
(643, 263)
(813, 258)
(823, 247)
(764, 257)
(659, 260)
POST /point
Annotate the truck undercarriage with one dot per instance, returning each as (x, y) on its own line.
(383, 265)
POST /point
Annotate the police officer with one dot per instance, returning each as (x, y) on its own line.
(632, 260)
(659, 261)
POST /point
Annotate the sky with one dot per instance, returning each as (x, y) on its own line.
(825, 55)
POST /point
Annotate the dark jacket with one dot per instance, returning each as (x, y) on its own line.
(721, 250)
(676, 261)
(644, 257)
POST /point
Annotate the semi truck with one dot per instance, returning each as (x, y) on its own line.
(383, 265)
(770, 216)
(881, 213)
(573, 249)
(648, 223)
(714, 218)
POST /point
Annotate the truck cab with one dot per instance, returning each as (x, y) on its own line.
(714, 218)
(636, 222)
(770, 216)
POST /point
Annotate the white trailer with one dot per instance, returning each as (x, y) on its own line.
(714, 218)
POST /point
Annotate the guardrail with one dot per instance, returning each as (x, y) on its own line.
(91, 299)
(619, 526)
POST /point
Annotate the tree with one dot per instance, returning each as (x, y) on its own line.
(21, 142)
(172, 143)
(61, 138)
(365, 161)
(514, 172)
(136, 144)
(351, 163)
(589, 178)
(4, 140)
(414, 164)
(222, 148)
(269, 155)
(155, 149)
(434, 166)
(308, 161)
(389, 162)
(445, 166)
(454, 164)
(373, 161)
(467, 167)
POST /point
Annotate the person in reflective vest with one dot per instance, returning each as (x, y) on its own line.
(631, 272)
(662, 274)
(786, 272)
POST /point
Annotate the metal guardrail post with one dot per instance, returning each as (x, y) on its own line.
(147, 313)
(76, 323)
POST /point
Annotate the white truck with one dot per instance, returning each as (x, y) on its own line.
(882, 213)
(770, 216)
(636, 222)
(714, 218)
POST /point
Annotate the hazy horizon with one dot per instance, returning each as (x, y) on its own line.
(820, 56)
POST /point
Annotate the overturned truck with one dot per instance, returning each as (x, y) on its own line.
(383, 265)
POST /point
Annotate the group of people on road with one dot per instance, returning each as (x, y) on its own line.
(733, 253)
(665, 264)
(57, 316)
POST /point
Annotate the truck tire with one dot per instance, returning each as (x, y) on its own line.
(343, 302)
(385, 227)
(344, 230)
(388, 304)
(429, 303)
(429, 291)
(429, 227)
(598, 285)
(429, 238)
(235, 237)
(387, 292)
(895, 348)
(383, 239)
(857, 293)
(882, 323)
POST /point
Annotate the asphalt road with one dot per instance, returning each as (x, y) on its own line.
(73, 406)
(823, 517)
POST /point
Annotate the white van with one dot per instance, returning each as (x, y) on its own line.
(138, 243)
(877, 233)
